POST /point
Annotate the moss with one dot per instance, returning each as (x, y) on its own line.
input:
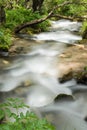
(81, 76)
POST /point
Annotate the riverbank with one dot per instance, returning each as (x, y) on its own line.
(19, 47)
(72, 62)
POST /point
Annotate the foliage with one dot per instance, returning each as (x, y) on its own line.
(5, 38)
(16, 17)
(75, 8)
(18, 13)
(28, 121)
(22, 15)
(85, 68)
(2, 2)
(12, 3)
(84, 26)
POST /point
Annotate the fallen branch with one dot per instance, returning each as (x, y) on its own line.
(77, 18)
(31, 23)
(34, 22)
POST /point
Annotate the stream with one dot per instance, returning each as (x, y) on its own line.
(34, 78)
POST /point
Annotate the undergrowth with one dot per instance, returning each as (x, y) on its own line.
(22, 15)
(5, 39)
(28, 121)
(84, 26)
(16, 17)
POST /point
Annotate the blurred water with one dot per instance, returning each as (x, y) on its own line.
(66, 25)
(38, 68)
(67, 113)
(61, 31)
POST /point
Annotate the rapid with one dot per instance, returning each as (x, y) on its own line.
(34, 78)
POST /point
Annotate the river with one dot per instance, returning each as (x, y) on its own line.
(34, 78)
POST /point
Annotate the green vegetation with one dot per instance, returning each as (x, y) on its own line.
(17, 12)
(84, 26)
(22, 15)
(28, 121)
(16, 15)
(5, 39)
(74, 9)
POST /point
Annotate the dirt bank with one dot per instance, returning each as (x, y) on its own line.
(73, 63)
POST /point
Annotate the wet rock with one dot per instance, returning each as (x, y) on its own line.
(4, 52)
(85, 118)
(82, 78)
(66, 77)
(64, 97)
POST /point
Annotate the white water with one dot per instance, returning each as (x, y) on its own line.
(61, 32)
(39, 68)
(65, 25)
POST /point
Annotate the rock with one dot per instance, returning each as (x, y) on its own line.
(66, 77)
(81, 77)
(72, 62)
(4, 53)
(64, 97)
(85, 118)
(5, 62)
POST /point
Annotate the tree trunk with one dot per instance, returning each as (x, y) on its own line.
(2, 15)
(37, 4)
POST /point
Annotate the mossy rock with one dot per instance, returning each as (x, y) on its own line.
(81, 77)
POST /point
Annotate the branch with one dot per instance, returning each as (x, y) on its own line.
(34, 22)
(77, 18)
(31, 23)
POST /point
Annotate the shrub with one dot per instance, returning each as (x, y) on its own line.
(28, 121)
(84, 26)
(5, 39)
(22, 15)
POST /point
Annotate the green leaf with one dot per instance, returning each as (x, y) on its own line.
(2, 114)
(21, 115)
(28, 121)
(8, 112)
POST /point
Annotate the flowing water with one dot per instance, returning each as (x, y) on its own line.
(34, 77)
